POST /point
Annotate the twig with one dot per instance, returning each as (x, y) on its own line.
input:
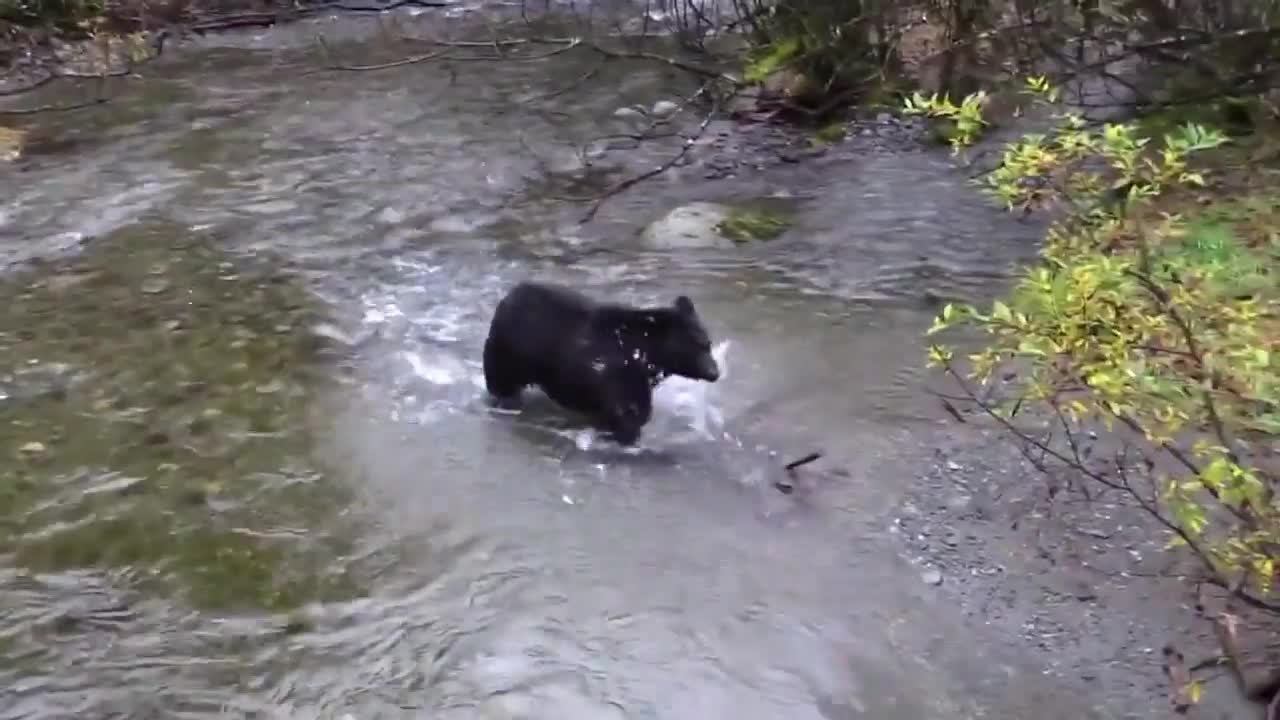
(262, 19)
(787, 484)
(1175, 668)
(951, 409)
(324, 48)
(629, 182)
(50, 77)
(55, 108)
(509, 42)
(570, 86)
(570, 44)
(379, 8)
(1210, 662)
(811, 457)
(1193, 347)
(673, 62)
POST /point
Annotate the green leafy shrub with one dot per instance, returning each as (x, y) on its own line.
(1161, 328)
(964, 123)
(826, 48)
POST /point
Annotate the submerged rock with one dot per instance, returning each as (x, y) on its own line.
(713, 225)
(664, 109)
(630, 114)
(32, 450)
(690, 226)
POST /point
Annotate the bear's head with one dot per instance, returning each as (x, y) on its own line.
(684, 347)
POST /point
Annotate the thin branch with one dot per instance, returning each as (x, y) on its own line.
(55, 108)
(508, 42)
(694, 68)
(1193, 347)
(1024, 437)
(632, 181)
(590, 73)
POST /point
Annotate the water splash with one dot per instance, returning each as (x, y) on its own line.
(692, 401)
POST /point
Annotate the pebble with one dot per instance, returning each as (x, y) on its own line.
(931, 577)
(154, 286)
(664, 109)
(32, 449)
(628, 113)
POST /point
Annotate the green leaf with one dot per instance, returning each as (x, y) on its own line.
(1195, 691)
(1001, 312)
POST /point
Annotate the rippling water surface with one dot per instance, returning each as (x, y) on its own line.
(321, 417)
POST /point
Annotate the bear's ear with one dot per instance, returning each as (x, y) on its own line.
(684, 305)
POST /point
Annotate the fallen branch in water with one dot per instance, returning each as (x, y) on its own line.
(694, 68)
(266, 19)
(53, 75)
(786, 485)
(55, 108)
(500, 42)
(441, 54)
(689, 142)
(690, 67)
(576, 82)
(794, 464)
(329, 65)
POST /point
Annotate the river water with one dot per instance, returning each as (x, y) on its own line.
(289, 273)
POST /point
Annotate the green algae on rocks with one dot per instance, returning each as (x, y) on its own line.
(153, 409)
(745, 225)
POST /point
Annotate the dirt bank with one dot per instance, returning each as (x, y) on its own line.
(1088, 585)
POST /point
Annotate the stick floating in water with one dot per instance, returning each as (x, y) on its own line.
(785, 486)
(802, 461)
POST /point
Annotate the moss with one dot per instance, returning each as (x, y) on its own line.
(166, 386)
(746, 225)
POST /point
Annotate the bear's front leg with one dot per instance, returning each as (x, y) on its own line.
(629, 403)
(625, 434)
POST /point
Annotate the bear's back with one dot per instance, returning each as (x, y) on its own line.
(543, 323)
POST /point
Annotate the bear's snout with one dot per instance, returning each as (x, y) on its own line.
(708, 368)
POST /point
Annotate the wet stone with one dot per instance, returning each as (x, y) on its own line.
(32, 450)
(154, 286)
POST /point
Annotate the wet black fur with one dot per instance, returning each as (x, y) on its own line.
(600, 359)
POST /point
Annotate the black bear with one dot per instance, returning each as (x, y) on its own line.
(599, 359)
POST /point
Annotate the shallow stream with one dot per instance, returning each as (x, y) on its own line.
(254, 475)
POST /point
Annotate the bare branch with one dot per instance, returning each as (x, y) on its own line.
(55, 108)
(630, 182)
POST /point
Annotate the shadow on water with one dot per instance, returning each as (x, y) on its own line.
(297, 504)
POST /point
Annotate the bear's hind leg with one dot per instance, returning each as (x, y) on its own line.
(501, 379)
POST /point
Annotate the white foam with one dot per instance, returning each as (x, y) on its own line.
(436, 373)
(690, 400)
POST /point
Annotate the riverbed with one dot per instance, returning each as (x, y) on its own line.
(254, 475)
